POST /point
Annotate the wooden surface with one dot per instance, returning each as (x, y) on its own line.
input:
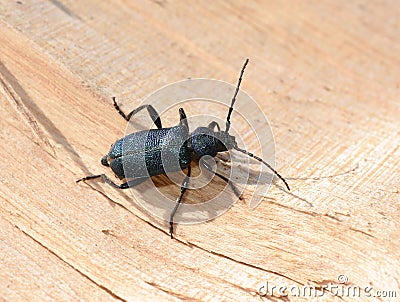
(327, 75)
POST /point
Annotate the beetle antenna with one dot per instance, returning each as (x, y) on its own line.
(264, 162)
(228, 119)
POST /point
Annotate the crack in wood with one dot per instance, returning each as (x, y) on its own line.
(169, 292)
(107, 290)
(11, 87)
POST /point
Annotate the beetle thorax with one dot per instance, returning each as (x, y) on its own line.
(204, 141)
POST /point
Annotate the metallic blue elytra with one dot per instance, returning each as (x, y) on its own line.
(150, 152)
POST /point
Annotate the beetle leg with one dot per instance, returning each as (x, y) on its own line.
(214, 124)
(182, 118)
(125, 185)
(227, 180)
(185, 183)
(88, 177)
(152, 112)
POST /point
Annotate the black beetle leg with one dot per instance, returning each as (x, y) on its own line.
(125, 185)
(214, 124)
(185, 183)
(228, 181)
(88, 177)
(182, 118)
(155, 117)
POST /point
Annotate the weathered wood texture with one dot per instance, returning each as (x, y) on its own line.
(326, 73)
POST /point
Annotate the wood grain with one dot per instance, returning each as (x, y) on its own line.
(327, 75)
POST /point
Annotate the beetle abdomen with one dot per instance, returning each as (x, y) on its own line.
(150, 152)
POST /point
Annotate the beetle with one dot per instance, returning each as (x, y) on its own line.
(125, 157)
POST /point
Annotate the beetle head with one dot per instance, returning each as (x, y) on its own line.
(224, 141)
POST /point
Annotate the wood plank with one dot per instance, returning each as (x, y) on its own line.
(328, 83)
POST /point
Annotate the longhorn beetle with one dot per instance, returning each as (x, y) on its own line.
(177, 141)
